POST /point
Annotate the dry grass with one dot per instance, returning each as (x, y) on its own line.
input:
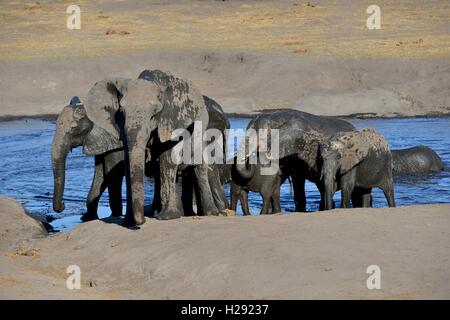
(30, 29)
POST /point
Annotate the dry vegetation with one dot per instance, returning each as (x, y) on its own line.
(409, 28)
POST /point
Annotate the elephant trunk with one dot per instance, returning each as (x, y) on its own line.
(243, 167)
(59, 155)
(136, 159)
(330, 187)
(328, 197)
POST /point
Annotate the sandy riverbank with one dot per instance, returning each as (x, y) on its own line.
(248, 55)
(293, 256)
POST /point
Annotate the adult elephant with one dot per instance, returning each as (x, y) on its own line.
(217, 121)
(124, 114)
(416, 160)
(292, 125)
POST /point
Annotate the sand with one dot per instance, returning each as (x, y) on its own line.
(248, 55)
(288, 256)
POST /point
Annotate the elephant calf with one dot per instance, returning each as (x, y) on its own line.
(74, 129)
(358, 161)
(249, 178)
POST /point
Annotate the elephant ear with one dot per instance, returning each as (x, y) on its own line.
(102, 103)
(309, 147)
(99, 141)
(182, 106)
(356, 147)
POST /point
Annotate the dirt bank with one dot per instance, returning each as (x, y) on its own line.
(292, 256)
(248, 55)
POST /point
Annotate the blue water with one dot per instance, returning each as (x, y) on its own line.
(26, 175)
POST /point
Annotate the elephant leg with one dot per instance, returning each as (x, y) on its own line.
(298, 182)
(388, 190)
(367, 198)
(266, 204)
(347, 186)
(243, 195)
(198, 199)
(276, 207)
(220, 200)
(115, 196)
(235, 191)
(357, 198)
(208, 205)
(170, 203)
(321, 189)
(156, 203)
(98, 186)
(114, 173)
(389, 194)
(187, 191)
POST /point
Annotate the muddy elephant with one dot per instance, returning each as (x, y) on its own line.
(125, 113)
(190, 185)
(252, 179)
(109, 168)
(292, 126)
(358, 161)
(416, 160)
(73, 130)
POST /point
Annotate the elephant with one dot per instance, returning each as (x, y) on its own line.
(73, 130)
(217, 120)
(416, 160)
(358, 161)
(252, 180)
(292, 126)
(123, 114)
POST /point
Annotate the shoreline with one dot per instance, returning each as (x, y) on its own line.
(362, 116)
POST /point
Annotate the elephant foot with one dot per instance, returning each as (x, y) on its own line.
(129, 223)
(89, 217)
(212, 211)
(139, 220)
(168, 214)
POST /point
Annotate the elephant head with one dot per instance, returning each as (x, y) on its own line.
(344, 151)
(131, 109)
(72, 130)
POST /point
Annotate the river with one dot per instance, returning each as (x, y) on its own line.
(26, 175)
